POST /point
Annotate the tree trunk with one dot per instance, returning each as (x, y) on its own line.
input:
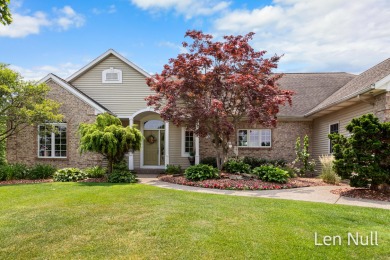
(110, 167)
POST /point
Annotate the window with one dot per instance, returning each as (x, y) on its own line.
(333, 129)
(52, 144)
(254, 138)
(112, 75)
(188, 142)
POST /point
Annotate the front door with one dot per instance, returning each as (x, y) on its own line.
(154, 143)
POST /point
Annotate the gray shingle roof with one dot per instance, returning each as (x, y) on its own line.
(357, 85)
(310, 90)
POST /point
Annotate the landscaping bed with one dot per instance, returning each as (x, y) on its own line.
(234, 182)
(362, 193)
(47, 180)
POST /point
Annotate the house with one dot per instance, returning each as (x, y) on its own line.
(323, 103)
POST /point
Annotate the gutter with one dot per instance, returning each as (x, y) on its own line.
(347, 97)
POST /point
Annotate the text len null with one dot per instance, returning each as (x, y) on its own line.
(355, 238)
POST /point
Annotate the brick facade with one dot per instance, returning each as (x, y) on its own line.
(382, 107)
(283, 141)
(23, 147)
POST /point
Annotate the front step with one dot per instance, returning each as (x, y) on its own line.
(156, 172)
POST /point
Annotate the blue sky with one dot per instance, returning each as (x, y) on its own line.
(314, 36)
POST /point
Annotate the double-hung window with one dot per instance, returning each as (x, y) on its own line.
(333, 129)
(254, 138)
(52, 141)
(188, 144)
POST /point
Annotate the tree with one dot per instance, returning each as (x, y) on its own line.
(5, 14)
(215, 86)
(108, 137)
(23, 104)
(303, 156)
(364, 157)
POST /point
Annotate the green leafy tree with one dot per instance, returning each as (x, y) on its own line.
(364, 157)
(5, 14)
(108, 137)
(305, 165)
(23, 103)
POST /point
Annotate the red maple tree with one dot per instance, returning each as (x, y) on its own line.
(216, 85)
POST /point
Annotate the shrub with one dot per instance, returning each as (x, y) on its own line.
(42, 171)
(69, 174)
(256, 162)
(364, 156)
(122, 176)
(15, 171)
(212, 161)
(305, 164)
(328, 175)
(95, 172)
(173, 169)
(122, 166)
(290, 171)
(236, 166)
(271, 173)
(201, 172)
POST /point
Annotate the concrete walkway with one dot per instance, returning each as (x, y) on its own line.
(313, 194)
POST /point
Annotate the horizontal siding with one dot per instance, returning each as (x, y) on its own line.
(343, 117)
(124, 98)
(175, 140)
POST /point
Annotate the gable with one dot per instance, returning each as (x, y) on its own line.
(122, 98)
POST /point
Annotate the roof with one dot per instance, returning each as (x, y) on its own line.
(102, 57)
(310, 89)
(72, 89)
(359, 85)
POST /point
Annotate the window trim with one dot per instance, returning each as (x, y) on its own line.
(329, 141)
(260, 129)
(53, 142)
(112, 70)
(183, 139)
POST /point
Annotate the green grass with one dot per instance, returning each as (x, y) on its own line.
(90, 221)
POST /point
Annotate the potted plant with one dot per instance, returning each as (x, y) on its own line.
(191, 157)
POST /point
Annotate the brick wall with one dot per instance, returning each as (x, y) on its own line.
(283, 142)
(382, 107)
(23, 147)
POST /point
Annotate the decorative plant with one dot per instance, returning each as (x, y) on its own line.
(108, 137)
(364, 157)
(305, 165)
(328, 174)
(221, 83)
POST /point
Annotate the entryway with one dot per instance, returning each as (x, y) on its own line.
(154, 143)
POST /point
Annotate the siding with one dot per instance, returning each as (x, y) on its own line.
(320, 143)
(175, 140)
(125, 98)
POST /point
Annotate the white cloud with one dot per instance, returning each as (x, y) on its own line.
(172, 45)
(62, 70)
(188, 8)
(316, 35)
(67, 17)
(110, 10)
(25, 23)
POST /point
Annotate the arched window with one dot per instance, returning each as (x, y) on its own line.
(112, 75)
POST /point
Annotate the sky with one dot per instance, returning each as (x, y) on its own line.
(58, 36)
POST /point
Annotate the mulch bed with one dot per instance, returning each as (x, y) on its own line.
(227, 183)
(25, 181)
(47, 180)
(363, 193)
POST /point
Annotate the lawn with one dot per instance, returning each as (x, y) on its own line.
(122, 221)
